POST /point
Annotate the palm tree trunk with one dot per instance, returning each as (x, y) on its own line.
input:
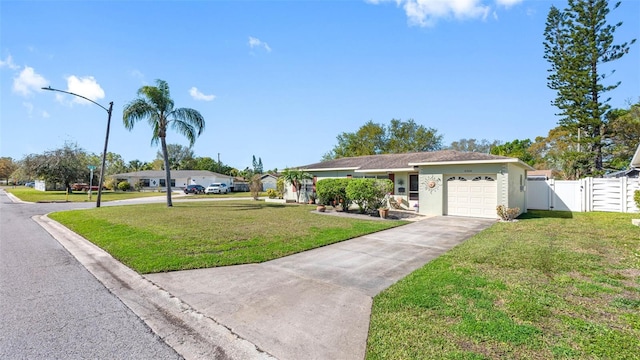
(167, 170)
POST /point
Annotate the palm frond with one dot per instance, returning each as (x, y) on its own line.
(136, 110)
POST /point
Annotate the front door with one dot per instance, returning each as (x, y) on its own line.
(413, 187)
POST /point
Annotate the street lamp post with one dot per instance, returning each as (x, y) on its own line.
(106, 138)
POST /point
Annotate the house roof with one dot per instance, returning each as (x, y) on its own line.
(548, 174)
(406, 161)
(635, 161)
(174, 174)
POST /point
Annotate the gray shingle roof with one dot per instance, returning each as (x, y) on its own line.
(402, 161)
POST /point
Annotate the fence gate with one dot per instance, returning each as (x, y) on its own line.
(589, 194)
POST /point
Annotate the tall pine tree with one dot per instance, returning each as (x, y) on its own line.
(577, 41)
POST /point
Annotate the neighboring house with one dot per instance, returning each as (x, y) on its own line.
(155, 179)
(630, 173)
(635, 161)
(540, 175)
(436, 183)
(269, 181)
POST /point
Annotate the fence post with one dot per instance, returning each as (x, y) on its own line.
(623, 194)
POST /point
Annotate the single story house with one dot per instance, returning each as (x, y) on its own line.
(269, 181)
(443, 182)
(155, 179)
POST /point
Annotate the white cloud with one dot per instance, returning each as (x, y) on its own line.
(85, 86)
(196, 94)
(427, 12)
(255, 42)
(508, 3)
(45, 114)
(27, 81)
(9, 63)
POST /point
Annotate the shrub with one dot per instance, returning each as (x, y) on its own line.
(110, 184)
(272, 193)
(369, 194)
(138, 185)
(507, 214)
(636, 198)
(334, 192)
(280, 187)
(124, 185)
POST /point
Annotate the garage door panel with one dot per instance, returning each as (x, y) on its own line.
(471, 195)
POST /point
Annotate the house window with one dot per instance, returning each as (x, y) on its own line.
(145, 182)
(413, 187)
(163, 182)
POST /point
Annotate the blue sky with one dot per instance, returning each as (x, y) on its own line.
(281, 79)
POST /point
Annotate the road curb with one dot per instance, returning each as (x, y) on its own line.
(188, 332)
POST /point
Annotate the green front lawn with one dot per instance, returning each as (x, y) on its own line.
(551, 286)
(190, 235)
(32, 195)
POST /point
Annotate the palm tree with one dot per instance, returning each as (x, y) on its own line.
(154, 103)
(296, 178)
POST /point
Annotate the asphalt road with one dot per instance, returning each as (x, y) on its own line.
(52, 307)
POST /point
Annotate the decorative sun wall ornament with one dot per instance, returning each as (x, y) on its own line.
(431, 183)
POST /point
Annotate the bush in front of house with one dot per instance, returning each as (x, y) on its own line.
(369, 194)
(110, 184)
(636, 198)
(506, 213)
(334, 192)
(272, 193)
(124, 186)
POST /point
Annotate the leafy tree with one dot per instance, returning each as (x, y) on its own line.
(399, 137)
(516, 148)
(60, 166)
(577, 41)
(154, 103)
(560, 151)
(407, 136)
(296, 178)
(473, 145)
(623, 136)
(114, 164)
(7, 167)
(180, 157)
(255, 186)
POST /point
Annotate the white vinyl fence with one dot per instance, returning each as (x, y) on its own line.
(589, 194)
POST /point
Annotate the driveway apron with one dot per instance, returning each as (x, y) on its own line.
(316, 304)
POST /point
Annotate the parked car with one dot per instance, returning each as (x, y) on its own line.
(217, 188)
(194, 189)
(30, 184)
(83, 187)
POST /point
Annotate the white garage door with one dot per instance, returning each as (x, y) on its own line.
(472, 195)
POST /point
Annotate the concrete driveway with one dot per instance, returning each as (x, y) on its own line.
(316, 304)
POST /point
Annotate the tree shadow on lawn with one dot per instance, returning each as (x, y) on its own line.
(241, 206)
(542, 214)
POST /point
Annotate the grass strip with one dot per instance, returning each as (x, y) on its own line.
(553, 285)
